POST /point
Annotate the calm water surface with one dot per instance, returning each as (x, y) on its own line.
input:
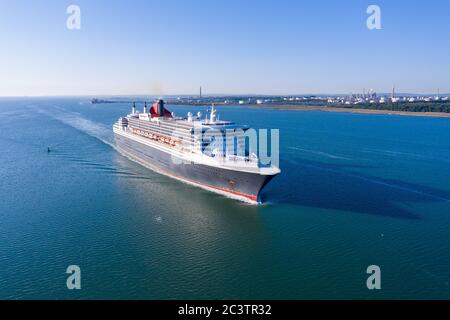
(355, 190)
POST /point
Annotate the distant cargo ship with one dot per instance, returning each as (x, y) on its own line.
(172, 146)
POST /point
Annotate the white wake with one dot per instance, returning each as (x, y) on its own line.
(75, 120)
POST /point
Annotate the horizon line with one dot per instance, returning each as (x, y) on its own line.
(210, 95)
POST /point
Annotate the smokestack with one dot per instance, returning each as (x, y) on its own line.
(200, 91)
(133, 110)
(161, 108)
(145, 107)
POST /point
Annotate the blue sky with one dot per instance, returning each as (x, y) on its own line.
(227, 46)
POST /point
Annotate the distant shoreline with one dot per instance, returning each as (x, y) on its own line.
(300, 107)
(343, 109)
(352, 110)
(389, 112)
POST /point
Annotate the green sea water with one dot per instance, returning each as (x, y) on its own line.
(355, 190)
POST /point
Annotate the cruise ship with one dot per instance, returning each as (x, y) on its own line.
(182, 148)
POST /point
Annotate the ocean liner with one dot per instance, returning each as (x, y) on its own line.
(184, 148)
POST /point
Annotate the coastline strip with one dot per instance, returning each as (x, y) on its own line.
(360, 111)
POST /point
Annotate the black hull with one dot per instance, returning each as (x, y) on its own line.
(236, 184)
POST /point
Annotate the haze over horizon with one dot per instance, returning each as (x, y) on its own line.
(220, 95)
(230, 47)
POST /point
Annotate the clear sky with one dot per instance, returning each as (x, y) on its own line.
(227, 46)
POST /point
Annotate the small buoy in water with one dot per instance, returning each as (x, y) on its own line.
(48, 149)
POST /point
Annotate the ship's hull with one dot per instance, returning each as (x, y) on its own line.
(240, 185)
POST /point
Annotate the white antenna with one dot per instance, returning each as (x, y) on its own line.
(212, 117)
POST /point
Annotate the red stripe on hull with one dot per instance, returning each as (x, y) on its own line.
(252, 198)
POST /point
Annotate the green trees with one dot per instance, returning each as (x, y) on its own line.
(437, 106)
